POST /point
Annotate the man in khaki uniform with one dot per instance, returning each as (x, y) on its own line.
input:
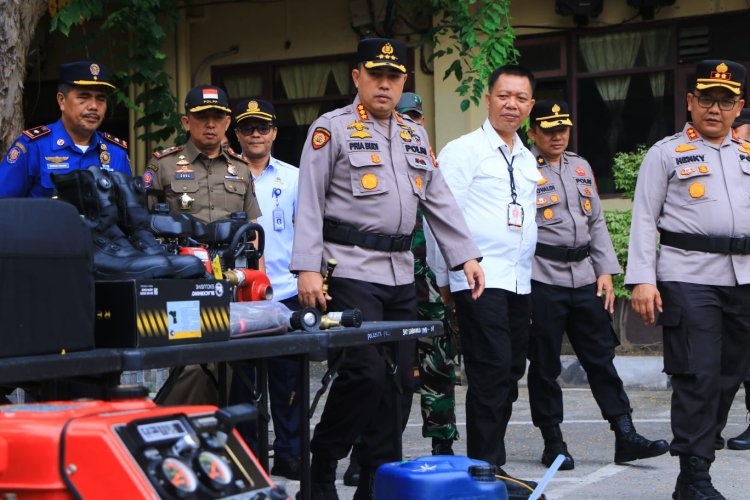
(572, 292)
(364, 170)
(692, 190)
(201, 178)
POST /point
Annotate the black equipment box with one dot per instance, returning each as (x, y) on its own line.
(160, 312)
(46, 278)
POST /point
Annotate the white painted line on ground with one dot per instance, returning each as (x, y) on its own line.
(557, 490)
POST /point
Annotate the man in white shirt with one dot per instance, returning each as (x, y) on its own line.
(493, 178)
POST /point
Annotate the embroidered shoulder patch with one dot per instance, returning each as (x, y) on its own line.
(115, 140)
(36, 132)
(165, 152)
(320, 137)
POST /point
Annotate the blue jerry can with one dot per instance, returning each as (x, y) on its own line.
(438, 477)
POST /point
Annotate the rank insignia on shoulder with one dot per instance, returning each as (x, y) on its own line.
(320, 137)
(363, 115)
(115, 140)
(540, 159)
(684, 147)
(235, 155)
(691, 133)
(165, 152)
(36, 132)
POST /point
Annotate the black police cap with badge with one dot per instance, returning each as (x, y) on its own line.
(85, 74)
(259, 109)
(382, 52)
(205, 97)
(550, 114)
(720, 73)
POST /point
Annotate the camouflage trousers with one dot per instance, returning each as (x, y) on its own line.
(438, 362)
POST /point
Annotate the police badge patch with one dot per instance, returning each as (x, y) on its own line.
(320, 137)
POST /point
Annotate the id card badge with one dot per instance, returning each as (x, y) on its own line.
(278, 219)
(515, 217)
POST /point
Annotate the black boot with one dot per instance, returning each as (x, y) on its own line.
(351, 476)
(92, 193)
(442, 446)
(629, 445)
(554, 446)
(135, 221)
(719, 442)
(741, 442)
(322, 478)
(694, 481)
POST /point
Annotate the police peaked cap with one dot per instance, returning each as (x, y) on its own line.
(720, 73)
(550, 114)
(85, 73)
(205, 97)
(254, 108)
(382, 52)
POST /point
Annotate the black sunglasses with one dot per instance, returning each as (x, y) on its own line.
(249, 129)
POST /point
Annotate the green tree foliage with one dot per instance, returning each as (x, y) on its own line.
(130, 39)
(478, 36)
(625, 171)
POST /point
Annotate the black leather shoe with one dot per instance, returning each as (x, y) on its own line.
(442, 446)
(741, 442)
(551, 450)
(518, 489)
(286, 467)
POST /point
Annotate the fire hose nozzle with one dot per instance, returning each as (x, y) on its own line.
(350, 318)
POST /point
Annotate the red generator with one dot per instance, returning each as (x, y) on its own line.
(130, 449)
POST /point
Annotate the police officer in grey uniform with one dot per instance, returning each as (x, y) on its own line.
(364, 170)
(572, 292)
(692, 191)
(201, 178)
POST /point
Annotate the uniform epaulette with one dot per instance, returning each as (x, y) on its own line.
(165, 152)
(37, 132)
(234, 155)
(114, 140)
(571, 153)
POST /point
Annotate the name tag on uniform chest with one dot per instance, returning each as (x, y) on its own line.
(184, 176)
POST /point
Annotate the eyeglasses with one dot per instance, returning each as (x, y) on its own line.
(708, 102)
(249, 129)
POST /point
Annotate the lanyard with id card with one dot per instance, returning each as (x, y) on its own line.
(515, 210)
(278, 213)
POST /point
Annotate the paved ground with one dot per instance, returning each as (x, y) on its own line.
(592, 445)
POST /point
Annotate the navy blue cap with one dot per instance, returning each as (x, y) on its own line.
(84, 73)
(720, 73)
(550, 114)
(254, 108)
(205, 97)
(379, 52)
